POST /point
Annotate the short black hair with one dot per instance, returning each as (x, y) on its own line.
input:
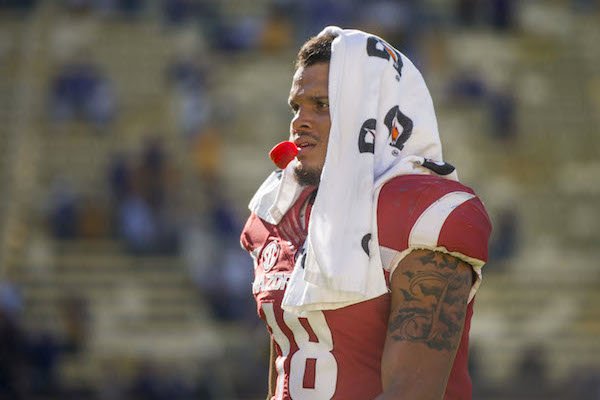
(315, 50)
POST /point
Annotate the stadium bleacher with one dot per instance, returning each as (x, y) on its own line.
(545, 294)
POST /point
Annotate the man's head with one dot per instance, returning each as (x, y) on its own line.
(309, 101)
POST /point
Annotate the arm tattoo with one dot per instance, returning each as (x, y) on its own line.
(433, 305)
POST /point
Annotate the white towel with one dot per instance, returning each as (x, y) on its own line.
(383, 125)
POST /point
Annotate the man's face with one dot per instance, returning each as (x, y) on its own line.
(309, 128)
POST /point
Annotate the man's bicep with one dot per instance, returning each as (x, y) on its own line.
(429, 299)
(430, 291)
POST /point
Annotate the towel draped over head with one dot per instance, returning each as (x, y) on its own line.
(383, 125)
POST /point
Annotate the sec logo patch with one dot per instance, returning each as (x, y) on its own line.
(270, 255)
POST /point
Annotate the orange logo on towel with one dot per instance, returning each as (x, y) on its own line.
(377, 47)
(400, 127)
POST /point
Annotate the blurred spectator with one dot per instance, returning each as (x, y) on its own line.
(94, 220)
(530, 380)
(79, 91)
(237, 275)
(502, 14)
(400, 22)
(467, 12)
(434, 54)
(505, 237)
(146, 384)
(209, 18)
(131, 8)
(152, 173)
(237, 35)
(314, 15)
(187, 73)
(101, 109)
(63, 210)
(156, 382)
(137, 225)
(120, 181)
(11, 300)
(21, 5)
(176, 387)
(193, 103)
(12, 360)
(194, 107)
(120, 176)
(78, 6)
(583, 384)
(28, 360)
(206, 382)
(585, 6)
(247, 383)
(105, 7)
(222, 214)
(201, 250)
(13, 346)
(468, 86)
(477, 378)
(76, 319)
(143, 215)
(112, 383)
(502, 110)
(44, 354)
(177, 12)
(207, 153)
(499, 14)
(215, 260)
(278, 31)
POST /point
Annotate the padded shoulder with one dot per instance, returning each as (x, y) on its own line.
(426, 211)
(254, 234)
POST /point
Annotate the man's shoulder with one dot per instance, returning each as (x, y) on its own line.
(255, 233)
(410, 195)
(426, 211)
(417, 185)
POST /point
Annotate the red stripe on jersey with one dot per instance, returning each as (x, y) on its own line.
(312, 336)
(309, 373)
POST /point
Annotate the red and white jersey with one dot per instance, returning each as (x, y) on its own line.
(336, 354)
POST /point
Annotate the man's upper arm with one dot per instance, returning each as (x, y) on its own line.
(433, 235)
(435, 214)
(429, 291)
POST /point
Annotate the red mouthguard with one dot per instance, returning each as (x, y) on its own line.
(283, 153)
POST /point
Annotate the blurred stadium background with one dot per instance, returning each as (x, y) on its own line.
(133, 133)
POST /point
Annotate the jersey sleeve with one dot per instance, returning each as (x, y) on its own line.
(435, 214)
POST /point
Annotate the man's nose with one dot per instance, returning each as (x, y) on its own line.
(302, 120)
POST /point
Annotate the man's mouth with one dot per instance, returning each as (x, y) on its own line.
(304, 148)
(304, 142)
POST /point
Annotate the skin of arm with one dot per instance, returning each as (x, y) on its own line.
(429, 294)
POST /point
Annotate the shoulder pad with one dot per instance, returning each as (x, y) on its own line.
(425, 211)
